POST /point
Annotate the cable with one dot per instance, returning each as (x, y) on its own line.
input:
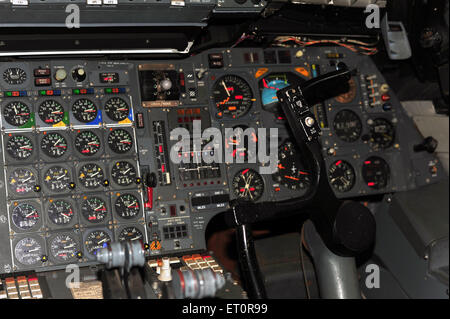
(357, 46)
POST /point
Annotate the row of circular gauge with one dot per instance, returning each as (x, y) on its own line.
(233, 96)
(65, 247)
(58, 178)
(348, 127)
(94, 209)
(51, 112)
(55, 145)
(248, 185)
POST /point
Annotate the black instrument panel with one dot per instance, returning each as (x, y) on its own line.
(79, 138)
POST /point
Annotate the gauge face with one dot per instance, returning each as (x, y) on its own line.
(87, 143)
(96, 239)
(16, 113)
(130, 234)
(14, 76)
(291, 173)
(376, 172)
(117, 109)
(28, 251)
(232, 96)
(269, 86)
(347, 126)
(127, 206)
(57, 178)
(60, 212)
(239, 146)
(19, 147)
(94, 209)
(64, 247)
(248, 185)
(382, 134)
(54, 145)
(120, 141)
(123, 173)
(350, 95)
(22, 181)
(91, 175)
(25, 216)
(51, 112)
(342, 176)
(84, 110)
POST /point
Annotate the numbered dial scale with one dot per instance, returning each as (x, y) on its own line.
(290, 170)
(248, 185)
(19, 147)
(232, 96)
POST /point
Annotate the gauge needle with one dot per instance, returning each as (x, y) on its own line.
(58, 178)
(226, 89)
(101, 207)
(124, 172)
(95, 174)
(103, 240)
(70, 246)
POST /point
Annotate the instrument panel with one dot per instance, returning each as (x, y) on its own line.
(82, 140)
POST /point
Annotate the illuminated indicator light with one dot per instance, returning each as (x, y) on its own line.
(260, 72)
(15, 93)
(367, 162)
(371, 184)
(115, 90)
(83, 91)
(160, 149)
(163, 168)
(277, 189)
(385, 97)
(108, 90)
(238, 97)
(76, 91)
(338, 163)
(49, 92)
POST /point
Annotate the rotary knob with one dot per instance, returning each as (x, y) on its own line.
(79, 74)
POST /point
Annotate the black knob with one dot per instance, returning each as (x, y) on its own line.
(353, 229)
(79, 74)
(150, 180)
(429, 144)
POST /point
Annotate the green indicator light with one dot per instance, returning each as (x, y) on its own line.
(108, 90)
(8, 93)
(42, 92)
(76, 91)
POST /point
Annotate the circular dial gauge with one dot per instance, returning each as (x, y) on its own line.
(342, 176)
(130, 234)
(64, 247)
(238, 146)
(348, 96)
(19, 147)
(269, 86)
(376, 172)
(120, 141)
(60, 212)
(248, 185)
(123, 173)
(232, 96)
(87, 143)
(127, 206)
(117, 109)
(28, 251)
(16, 113)
(291, 173)
(51, 112)
(382, 134)
(91, 175)
(54, 145)
(14, 76)
(84, 110)
(57, 178)
(96, 239)
(347, 126)
(25, 216)
(94, 209)
(22, 180)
